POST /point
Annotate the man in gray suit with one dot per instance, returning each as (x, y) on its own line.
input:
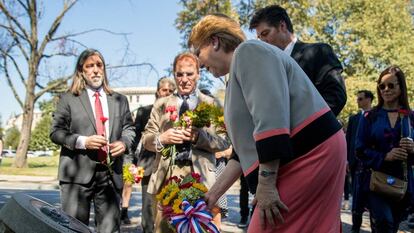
(195, 147)
(94, 126)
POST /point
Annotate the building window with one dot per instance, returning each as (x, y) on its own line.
(130, 98)
(137, 98)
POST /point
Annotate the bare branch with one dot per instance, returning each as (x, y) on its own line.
(52, 87)
(76, 42)
(10, 83)
(89, 31)
(18, 43)
(13, 19)
(6, 54)
(23, 5)
(135, 65)
(10, 29)
(56, 25)
(63, 54)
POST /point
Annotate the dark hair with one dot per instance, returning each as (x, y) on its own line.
(397, 72)
(367, 94)
(272, 15)
(78, 82)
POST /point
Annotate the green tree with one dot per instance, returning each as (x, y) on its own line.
(11, 138)
(298, 11)
(193, 11)
(367, 35)
(40, 137)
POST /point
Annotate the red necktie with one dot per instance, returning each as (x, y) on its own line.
(100, 127)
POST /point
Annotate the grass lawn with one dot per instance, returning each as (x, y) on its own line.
(38, 166)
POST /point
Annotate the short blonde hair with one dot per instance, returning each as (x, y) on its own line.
(225, 28)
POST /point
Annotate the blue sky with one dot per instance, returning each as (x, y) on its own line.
(152, 38)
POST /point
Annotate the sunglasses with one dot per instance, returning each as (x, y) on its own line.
(382, 86)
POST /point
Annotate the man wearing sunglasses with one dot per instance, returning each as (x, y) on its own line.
(364, 101)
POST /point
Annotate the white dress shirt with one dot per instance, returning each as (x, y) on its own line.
(289, 48)
(80, 141)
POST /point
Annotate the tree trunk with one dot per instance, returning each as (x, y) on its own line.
(21, 153)
(26, 131)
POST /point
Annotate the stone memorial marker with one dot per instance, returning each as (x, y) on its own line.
(25, 214)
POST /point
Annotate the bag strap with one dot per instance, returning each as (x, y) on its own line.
(405, 169)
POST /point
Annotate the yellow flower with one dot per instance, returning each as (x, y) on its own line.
(221, 119)
(171, 195)
(161, 194)
(200, 187)
(141, 171)
(176, 206)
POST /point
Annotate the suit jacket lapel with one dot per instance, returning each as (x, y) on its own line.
(297, 50)
(86, 103)
(111, 112)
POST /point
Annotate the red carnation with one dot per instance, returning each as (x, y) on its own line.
(196, 176)
(186, 185)
(404, 112)
(170, 109)
(104, 119)
(173, 117)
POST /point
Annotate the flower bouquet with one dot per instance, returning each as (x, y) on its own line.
(203, 116)
(132, 174)
(181, 201)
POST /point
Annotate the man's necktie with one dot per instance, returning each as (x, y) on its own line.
(183, 149)
(100, 127)
(184, 106)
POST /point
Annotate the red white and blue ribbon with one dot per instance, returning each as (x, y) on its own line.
(195, 219)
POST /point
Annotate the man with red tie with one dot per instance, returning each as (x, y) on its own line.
(94, 126)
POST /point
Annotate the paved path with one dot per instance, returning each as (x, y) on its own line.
(46, 189)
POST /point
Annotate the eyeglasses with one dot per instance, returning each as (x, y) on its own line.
(182, 74)
(382, 86)
(360, 98)
(196, 51)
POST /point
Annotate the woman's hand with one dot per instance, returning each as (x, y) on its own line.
(211, 197)
(396, 153)
(230, 174)
(268, 204)
(407, 144)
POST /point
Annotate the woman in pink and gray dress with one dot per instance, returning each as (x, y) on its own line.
(289, 144)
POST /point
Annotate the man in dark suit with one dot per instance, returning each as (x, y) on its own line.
(144, 158)
(94, 126)
(364, 101)
(273, 25)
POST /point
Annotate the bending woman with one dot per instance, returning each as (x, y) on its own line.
(288, 142)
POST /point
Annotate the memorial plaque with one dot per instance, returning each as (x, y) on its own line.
(24, 213)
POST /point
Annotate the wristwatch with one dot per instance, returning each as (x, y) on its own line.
(265, 173)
